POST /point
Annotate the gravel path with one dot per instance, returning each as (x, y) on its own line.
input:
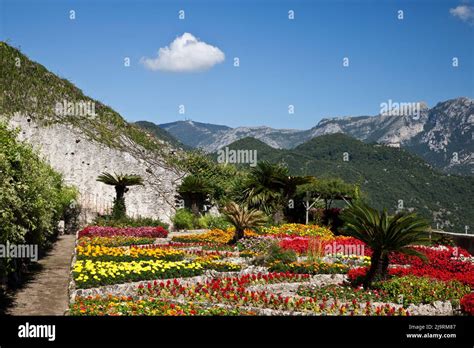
(46, 292)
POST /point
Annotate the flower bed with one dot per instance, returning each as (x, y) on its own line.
(103, 253)
(299, 230)
(308, 267)
(444, 263)
(115, 241)
(213, 236)
(404, 290)
(96, 273)
(234, 292)
(333, 245)
(296, 283)
(119, 306)
(220, 266)
(102, 231)
(342, 293)
(412, 289)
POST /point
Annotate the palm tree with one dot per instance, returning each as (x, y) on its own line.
(121, 183)
(195, 189)
(384, 234)
(264, 185)
(269, 186)
(242, 218)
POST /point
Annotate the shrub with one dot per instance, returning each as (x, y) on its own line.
(276, 254)
(183, 219)
(108, 220)
(257, 245)
(212, 222)
(33, 198)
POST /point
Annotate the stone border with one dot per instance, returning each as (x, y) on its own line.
(72, 283)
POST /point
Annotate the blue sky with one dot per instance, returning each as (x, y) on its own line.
(282, 61)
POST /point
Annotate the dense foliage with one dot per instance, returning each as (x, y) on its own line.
(33, 197)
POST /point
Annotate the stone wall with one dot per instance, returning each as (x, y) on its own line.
(81, 160)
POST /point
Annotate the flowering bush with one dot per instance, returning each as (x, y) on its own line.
(467, 304)
(103, 253)
(299, 230)
(102, 231)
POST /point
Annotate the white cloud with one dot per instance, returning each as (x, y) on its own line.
(464, 13)
(185, 54)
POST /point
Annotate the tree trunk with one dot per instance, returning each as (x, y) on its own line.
(120, 192)
(195, 208)
(385, 264)
(376, 268)
(119, 210)
(239, 234)
(278, 215)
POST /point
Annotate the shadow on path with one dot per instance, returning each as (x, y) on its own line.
(45, 289)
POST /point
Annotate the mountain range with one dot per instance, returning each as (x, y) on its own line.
(442, 135)
(389, 177)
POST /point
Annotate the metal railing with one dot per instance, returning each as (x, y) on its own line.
(453, 233)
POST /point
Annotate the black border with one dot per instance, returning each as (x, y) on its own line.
(242, 331)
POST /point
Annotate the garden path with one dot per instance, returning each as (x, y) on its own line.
(46, 293)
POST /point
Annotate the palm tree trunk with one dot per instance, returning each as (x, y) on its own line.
(119, 192)
(119, 209)
(278, 215)
(195, 208)
(376, 268)
(385, 263)
(239, 234)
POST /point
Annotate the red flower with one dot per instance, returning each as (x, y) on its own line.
(467, 303)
